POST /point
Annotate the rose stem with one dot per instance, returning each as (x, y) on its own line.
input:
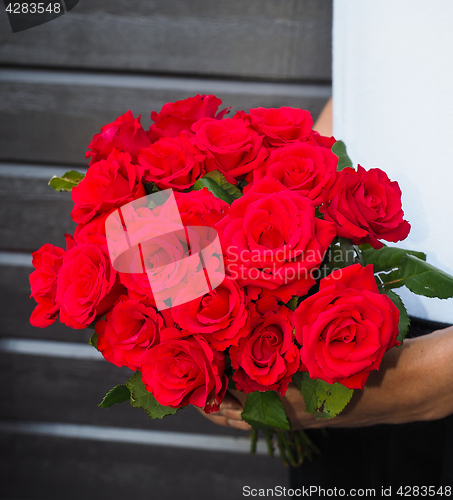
(298, 443)
(269, 441)
(288, 448)
(253, 441)
(309, 442)
(281, 449)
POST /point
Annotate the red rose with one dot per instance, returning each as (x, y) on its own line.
(127, 332)
(84, 233)
(87, 285)
(316, 139)
(267, 358)
(281, 125)
(108, 183)
(346, 327)
(273, 241)
(125, 134)
(183, 369)
(365, 207)
(301, 167)
(171, 163)
(175, 117)
(43, 282)
(230, 145)
(201, 208)
(221, 315)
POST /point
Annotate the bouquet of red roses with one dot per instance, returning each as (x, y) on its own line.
(244, 252)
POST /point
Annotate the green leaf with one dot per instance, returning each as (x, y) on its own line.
(241, 184)
(322, 399)
(118, 394)
(293, 303)
(150, 187)
(387, 258)
(338, 396)
(318, 214)
(307, 387)
(404, 321)
(339, 149)
(67, 181)
(219, 178)
(216, 183)
(94, 340)
(264, 410)
(424, 279)
(215, 189)
(141, 398)
(365, 246)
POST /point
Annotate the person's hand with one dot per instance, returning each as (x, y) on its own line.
(230, 411)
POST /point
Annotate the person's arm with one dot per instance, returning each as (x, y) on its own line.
(323, 124)
(413, 383)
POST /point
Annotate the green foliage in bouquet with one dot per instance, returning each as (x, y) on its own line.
(67, 181)
(264, 410)
(141, 398)
(339, 148)
(135, 392)
(116, 395)
(322, 400)
(216, 183)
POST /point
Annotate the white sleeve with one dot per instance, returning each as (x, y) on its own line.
(393, 107)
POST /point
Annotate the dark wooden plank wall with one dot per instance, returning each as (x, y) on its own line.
(59, 83)
(268, 39)
(52, 115)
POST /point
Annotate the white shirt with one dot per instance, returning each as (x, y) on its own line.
(393, 107)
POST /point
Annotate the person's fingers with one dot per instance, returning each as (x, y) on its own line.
(239, 424)
(234, 419)
(238, 395)
(229, 422)
(227, 418)
(232, 413)
(231, 402)
(229, 414)
(231, 408)
(218, 420)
